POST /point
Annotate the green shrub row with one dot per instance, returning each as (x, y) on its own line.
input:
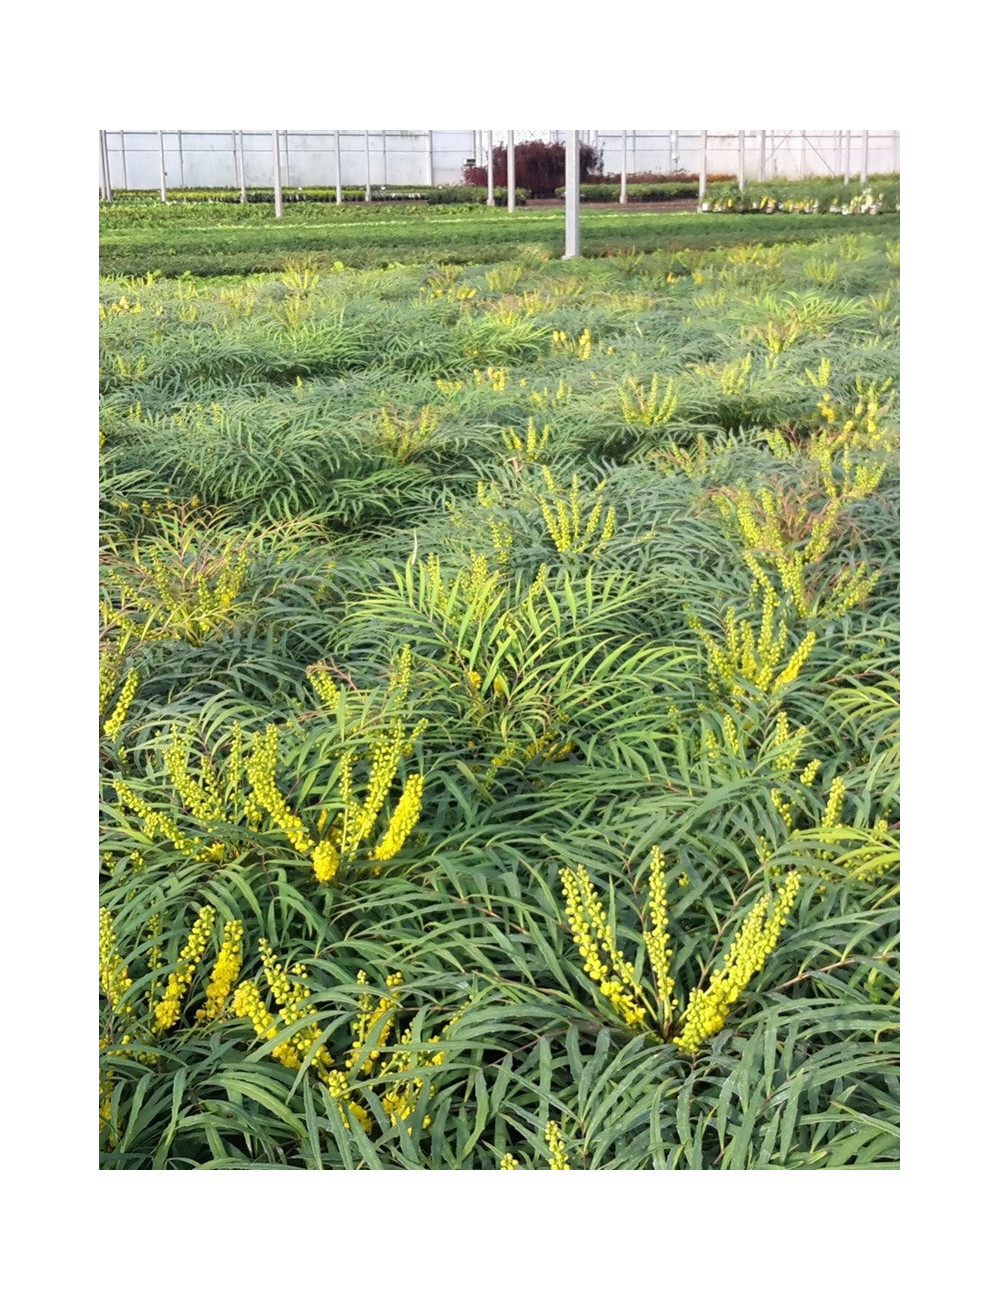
(636, 193)
(433, 195)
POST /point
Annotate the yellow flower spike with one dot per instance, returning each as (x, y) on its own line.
(224, 972)
(507, 1161)
(326, 861)
(707, 1009)
(558, 1155)
(403, 820)
(657, 938)
(167, 1011)
(115, 979)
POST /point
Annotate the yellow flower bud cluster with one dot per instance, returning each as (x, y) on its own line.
(707, 1009)
(129, 687)
(224, 972)
(563, 515)
(558, 1155)
(751, 657)
(494, 377)
(580, 348)
(185, 596)
(549, 400)
(291, 997)
(595, 940)
(785, 745)
(261, 768)
(114, 973)
(657, 938)
(167, 1011)
(648, 408)
(401, 823)
(810, 772)
(531, 447)
(404, 434)
(154, 824)
(507, 1161)
(370, 1014)
(371, 1029)
(834, 803)
(203, 798)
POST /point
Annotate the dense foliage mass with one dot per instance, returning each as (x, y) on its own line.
(499, 731)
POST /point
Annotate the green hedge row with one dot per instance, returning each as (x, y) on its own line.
(432, 195)
(637, 193)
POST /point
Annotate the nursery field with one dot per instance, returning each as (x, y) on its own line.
(499, 688)
(206, 238)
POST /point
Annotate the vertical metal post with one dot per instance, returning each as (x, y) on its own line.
(180, 157)
(511, 177)
(703, 168)
(241, 167)
(572, 194)
(741, 160)
(236, 164)
(163, 169)
(124, 164)
(802, 155)
(847, 157)
(279, 207)
(763, 155)
(102, 140)
(837, 152)
(288, 163)
(864, 158)
(368, 169)
(336, 167)
(430, 157)
(895, 151)
(385, 159)
(675, 155)
(491, 200)
(623, 191)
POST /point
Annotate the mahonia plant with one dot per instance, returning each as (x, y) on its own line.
(380, 1056)
(656, 1009)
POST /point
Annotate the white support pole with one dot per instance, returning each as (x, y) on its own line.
(895, 151)
(236, 163)
(802, 155)
(864, 157)
(241, 162)
(180, 157)
(279, 207)
(763, 156)
(491, 200)
(336, 167)
(838, 153)
(102, 140)
(511, 174)
(741, 160)
(572, 194)
(675, 153)
(368, 169)
(163, 168)
(430, 157)
(124, 164)
(703, 167)
(385, 158)
(288, 163)
(623, 192)
(847, 157)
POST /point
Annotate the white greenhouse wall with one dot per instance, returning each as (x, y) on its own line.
(194, 159)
